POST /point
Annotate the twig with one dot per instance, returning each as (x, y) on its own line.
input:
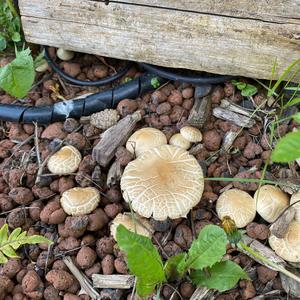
(36, 144)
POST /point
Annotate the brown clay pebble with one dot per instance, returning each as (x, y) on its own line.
(186, 290)
(113, 209)
(248, 290)
(31, 281)
(97, 220)
(124, 157)
(100, 71)
(65, 183)
(86, 257)
(74, 226)
(187, 93)
(54, 130)
(265, 275)
(94, 269)
(188, 104)
(21, 195)
(69, 243)
(77, 140)
(87, 164)
(11, 268)
(6, 203)
(212, 140)
(51, 293)
(183, 236)
(107, 264)
(257, 231)
(175, 98)
(171, 248)
(104, 246)
(120, 265)
(69, 296)
(252, 150)
(70, 125)
(60, 279)
(6, 285)
(163, 108)
(126, 107)
(72, 69)
(158, 97)
(16, 218)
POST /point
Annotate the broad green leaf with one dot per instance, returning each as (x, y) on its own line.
(3, 259)
(143, 260)
(296, 117)
(3, 234)
(249, 90)
(241, 85)
(171, 267)
(222, 276)
(288, 148)
(208, 248)
(17, 77)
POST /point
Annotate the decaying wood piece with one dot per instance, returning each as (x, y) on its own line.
(114, 174)
(82, 279)
(196, 149)
(202, 293)
(224, 37)
(200, 111)
(280, 227)
(113, 281)
(114, 137)
(225, 103)
(237, 119)
(292, 287)
(228, 140)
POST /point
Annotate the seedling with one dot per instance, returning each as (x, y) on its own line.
(246, 89)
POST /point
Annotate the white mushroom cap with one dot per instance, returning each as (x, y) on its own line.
(145, 139)
(238, 205)
(64, 161)
(192, 134)
(80, 201)
(141, 225)
(163, 182)
(288, 247)
(295, 198)
(270, 202)
(179, 141)
(64, 54)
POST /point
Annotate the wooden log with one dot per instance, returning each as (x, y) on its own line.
(113, 281)
(225, 37)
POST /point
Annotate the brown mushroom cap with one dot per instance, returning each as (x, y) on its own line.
(141, 225)
(179, 141)
(163, 182)
(295, 198)
(80, 201)
(64, 161)
(288, 247)
(238, 205)
(192, 134)
(145, 139)
(270, 202)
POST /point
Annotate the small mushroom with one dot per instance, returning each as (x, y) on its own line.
(270, 202)
(238, 205)
(141, 225)
(42, 67)
(64, 161)
(192, 134)
(145, 139)
(288, 247)
(163, 182)
(179, 141)
(64, 54)
(105, 119)
(80, 201)
(295, 198)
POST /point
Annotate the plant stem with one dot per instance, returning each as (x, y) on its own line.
(267, 261)
(12, 8)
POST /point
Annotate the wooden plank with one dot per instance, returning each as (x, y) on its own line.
(173, 38)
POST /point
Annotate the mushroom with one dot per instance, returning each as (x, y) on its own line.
(288, 247)
(270, 202)
(192, 134)
(179, 141)
(163, 182)
(64, 161)
(238, 205)
(141, 225)
(80, 201)
(145, 139)
(64, 54)
(295, 198)
(43, 67)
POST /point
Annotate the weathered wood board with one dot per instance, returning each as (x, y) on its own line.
(238, 37)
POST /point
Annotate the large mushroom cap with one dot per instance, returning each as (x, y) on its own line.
(238, 205)
(288, 247)
(141, 225)
(80, 201)
(295, 198)
(64, 161)
(145, 139)
(270, 202)
(164, 182)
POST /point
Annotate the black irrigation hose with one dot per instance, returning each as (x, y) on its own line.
(171, 75)
(75, 81)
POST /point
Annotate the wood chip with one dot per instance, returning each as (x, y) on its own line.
(200, 111)
(279, 227)
(113, 281)
(114, 174)
(202, 293)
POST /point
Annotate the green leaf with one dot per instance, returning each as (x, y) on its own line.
(3, 259)
(288, 148)
(17, 77)
(208, 248)
(37, 239)
(9, 251)
(171, 267)
(2, 43)
(222, 276)
(143, 260)
(16, 37)
(241, 85)
(292, 102)
(155, 82)
(3, 234)
(249, 90)
(296, 117)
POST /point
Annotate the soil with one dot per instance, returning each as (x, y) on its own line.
(40, 273)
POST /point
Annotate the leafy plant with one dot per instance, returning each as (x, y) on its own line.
(17, 77)
(203, 261)
(246, 89)
(155, 82)
(12, 242)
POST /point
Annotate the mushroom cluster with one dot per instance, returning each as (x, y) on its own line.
(186, 137)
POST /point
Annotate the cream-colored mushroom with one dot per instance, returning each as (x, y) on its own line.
(270, 202)
(238, 205)
(42, 67)
(138, 225)
(179, 141)
(192, 134)
(295, 198)
(80, 201)
(145, 139)
(64, 54)
(288, 247)
(163, 182)
(64, 161)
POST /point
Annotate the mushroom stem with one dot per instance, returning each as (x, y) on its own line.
(261, 258)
